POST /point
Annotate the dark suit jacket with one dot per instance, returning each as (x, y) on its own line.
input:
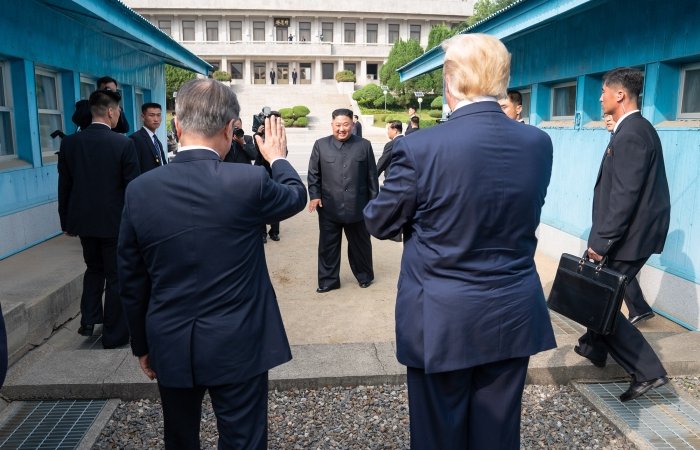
(344, 176)
(357, 129)
(468, 196)
(192, 271)
(242, 154)
(82, 117)
(94, 167)
(146, 150)
(631, 202)
(385, 159)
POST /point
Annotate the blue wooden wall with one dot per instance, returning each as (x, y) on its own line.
(658, 37)
(33, 35)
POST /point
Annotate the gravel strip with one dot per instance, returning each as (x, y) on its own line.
(373, 417)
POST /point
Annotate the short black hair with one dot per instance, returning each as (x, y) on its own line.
(631, 80)
(342, 112)
(145, 106)
(103, 99)
(106, 79)
(396, 125)
(516, 97)
(355, 116)
(415, 119)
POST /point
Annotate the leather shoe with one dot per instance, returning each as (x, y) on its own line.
(641, 317)
(86, 330)
(365, 284)
(324, 289)
(275, 237)
(639, 388)
(596, 362)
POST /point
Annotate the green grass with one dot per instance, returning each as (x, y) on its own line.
(398, 114)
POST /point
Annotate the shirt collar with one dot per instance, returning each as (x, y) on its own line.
(197, 147)
(101, 123)
(150, 133)
(624, 116)
(482, 98)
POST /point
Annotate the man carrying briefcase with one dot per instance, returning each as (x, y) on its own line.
(631, 215)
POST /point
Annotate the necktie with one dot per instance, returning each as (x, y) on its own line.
(159, 150)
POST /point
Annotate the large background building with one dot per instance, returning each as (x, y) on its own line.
(317, 39)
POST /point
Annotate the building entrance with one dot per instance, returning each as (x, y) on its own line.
(305, 73)
(282, 73)
(259, 73)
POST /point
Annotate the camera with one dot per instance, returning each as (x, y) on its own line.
(259, 119)
(238, 132)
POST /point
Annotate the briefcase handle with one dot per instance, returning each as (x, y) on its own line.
(584, 257)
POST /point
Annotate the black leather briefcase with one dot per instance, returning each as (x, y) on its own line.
(587, 293)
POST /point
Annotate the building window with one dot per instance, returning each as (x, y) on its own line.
(235, 30)
(215, 66)
(258, 31)
(327, 32)
(564, 101)
(259, 73)
(690, 92)
(525, 113)
(282, 34)
(7, 146)
(415, 32)
(372, 32)
(87, 87)
(48, 100)
(304, 31)
(166, 27)
(352, 67)
(327, 70)
(349, 33)
(212, 30)
(237, 70)
(393, 32)
(188, 30)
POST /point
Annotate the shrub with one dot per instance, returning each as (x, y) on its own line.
(287, 113)
(288, 122)
(301, 122)
(368, 94)
(345, 75)
(221, 75)
(390, 101)
(437, 103)
(435, 113)
(300, 111)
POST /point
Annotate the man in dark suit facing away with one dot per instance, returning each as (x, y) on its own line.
(148, 146)
(631, 216)
(94, 168)
(82, 117)
(470, 309)
(193, 279)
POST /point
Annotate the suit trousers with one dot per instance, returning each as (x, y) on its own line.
(634, 299)
(476, 408)
(240, 409)
(626, 344)
(329, 247)
(274, 229)
(100, 255)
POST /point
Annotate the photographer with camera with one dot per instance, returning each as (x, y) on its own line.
(259, 129)
(243, 149)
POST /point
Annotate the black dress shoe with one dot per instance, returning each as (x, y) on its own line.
(641, 317)
(637, 389)
(86, 330)
(324, 289)
(365, 284)
(596, 362)
(275, 237)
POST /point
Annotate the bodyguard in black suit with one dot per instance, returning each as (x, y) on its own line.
(94, 168)
(631, 215)
(148, 146)
(342, 178)
(201, 308)
(470, 309)
(393, 131)
(82, 116)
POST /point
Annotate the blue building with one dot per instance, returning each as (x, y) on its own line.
(51, 54)
(560, 51)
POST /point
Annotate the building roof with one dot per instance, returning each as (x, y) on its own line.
(117, 21)
(510, 22)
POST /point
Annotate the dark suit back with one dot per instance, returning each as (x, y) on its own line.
(94, 166)
(192, 268)
(631, 202)
(145, 148)
(468, 196)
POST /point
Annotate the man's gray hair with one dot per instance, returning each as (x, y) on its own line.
(204, 106)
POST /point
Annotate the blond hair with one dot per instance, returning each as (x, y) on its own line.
(476, 65)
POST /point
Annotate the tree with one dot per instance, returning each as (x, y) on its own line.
(174, 79)
(221, 75)
(439, 33)
(401, 54)
(484, 8)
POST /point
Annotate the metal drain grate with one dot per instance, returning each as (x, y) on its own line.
(660, 417)
(49, 424)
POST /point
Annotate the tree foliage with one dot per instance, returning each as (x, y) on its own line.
(401, 54)
(484, 8)
(221, 75)
(368, 94)
(175, 78)
(439, 33)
